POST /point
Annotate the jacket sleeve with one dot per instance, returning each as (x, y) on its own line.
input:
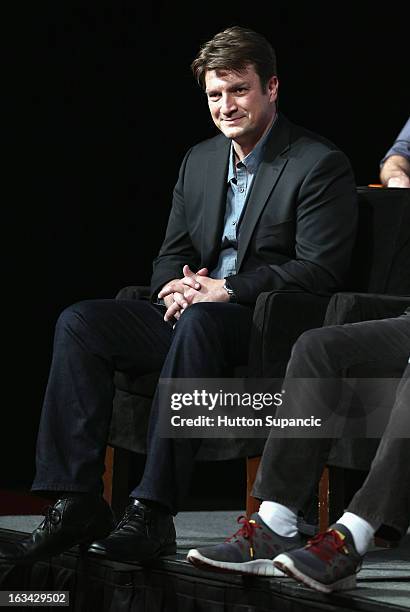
(177, 248)
(326, 223)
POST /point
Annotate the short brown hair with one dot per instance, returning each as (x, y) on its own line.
(234, 49)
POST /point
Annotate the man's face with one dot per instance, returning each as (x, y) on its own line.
(239, 107)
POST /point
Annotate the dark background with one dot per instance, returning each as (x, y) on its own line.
(103, 109)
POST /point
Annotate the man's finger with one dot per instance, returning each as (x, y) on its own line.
(203, 272)
(398, 181)
(190, 277)
(168, 300)
(189, 295)
(191, 282)
(167, 290)
(180, 299)
(170, 313)
(186, 271)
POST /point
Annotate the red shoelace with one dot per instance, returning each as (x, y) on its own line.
(326, 545)
(247, 531)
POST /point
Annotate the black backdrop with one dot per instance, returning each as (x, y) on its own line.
(104, 108)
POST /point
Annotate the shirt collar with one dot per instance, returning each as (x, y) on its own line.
(253, 159)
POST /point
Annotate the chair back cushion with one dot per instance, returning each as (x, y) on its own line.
(381, 257)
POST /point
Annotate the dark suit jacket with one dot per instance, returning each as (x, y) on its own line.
(298, 227)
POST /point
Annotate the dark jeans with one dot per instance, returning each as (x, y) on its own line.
(92, 340)
(290, 469)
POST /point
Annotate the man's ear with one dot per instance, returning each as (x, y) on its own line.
(273, 88)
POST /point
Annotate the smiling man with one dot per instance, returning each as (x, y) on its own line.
(263, 206)
(240, 107)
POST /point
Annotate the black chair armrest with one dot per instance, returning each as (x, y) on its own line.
(280, 317)
(134, 293)
(355, 307)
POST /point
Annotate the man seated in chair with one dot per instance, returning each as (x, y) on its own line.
(264, 206)
(290, 469)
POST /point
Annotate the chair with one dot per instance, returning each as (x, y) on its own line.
(380, 265)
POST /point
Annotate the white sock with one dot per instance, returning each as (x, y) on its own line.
(281, 519)
(360, 529)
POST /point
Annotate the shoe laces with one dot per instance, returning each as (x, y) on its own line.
(52, 518)
(131, 513)
(326, 545)
(247, 531)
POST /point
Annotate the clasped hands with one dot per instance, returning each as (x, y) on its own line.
(180, 293)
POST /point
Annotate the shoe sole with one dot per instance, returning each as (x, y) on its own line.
(259, 567)
(286, 564)
(82, 546)
(164, 552)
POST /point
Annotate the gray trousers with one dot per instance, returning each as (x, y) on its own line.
(290, 469)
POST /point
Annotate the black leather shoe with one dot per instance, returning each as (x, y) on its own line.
(143, 534)
(71, 521)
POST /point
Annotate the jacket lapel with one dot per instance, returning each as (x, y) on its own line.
(215, 203)
(271, 167)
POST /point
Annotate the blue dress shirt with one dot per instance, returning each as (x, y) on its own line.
(240, 179)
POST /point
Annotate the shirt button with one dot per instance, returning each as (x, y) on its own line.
(233, 222)
(241, 189)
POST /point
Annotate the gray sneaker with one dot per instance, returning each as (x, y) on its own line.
(329, 562)
(250, 550)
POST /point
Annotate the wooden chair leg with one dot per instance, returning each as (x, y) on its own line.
(108, 474)
(252, 504)
(331, 496)
(323, 500)
(337, 492)
(115, 478)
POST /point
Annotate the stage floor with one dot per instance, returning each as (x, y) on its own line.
(383, 582)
